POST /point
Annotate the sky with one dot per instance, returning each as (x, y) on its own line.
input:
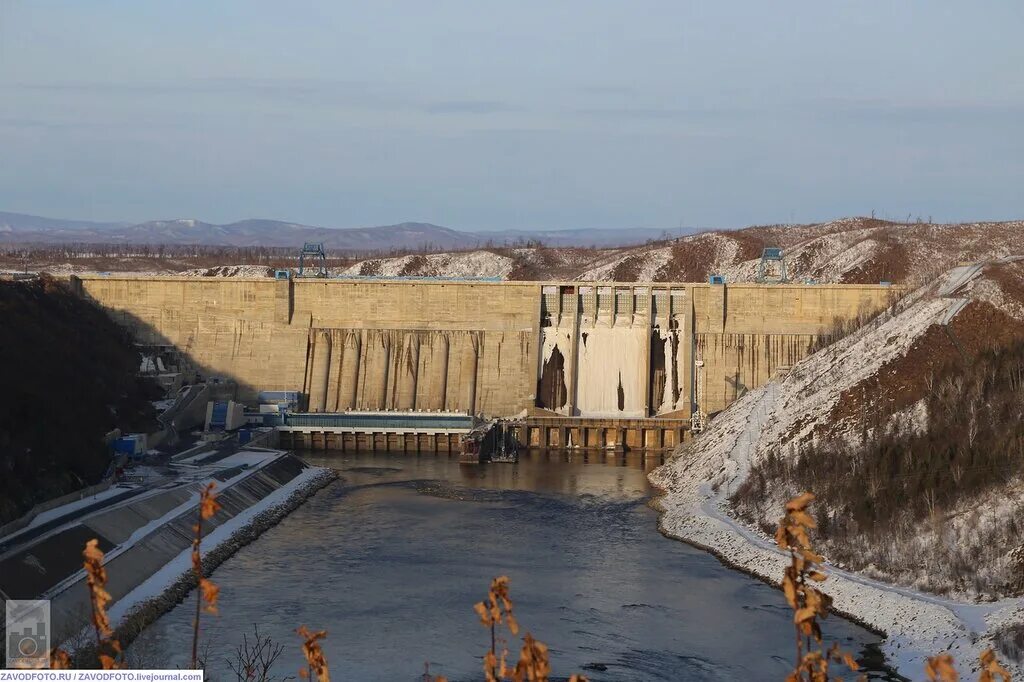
(537, 114)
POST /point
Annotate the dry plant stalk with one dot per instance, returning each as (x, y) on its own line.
(207, 592)
(990, 668)
(316, 662)
(940, 668)
(534, 662)
(493, 612)
(808, 602)
(108, 649)
(60, 660)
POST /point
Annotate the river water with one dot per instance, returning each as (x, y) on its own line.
(391, 559)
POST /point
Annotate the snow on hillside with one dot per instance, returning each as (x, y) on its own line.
(638, 265)
(229, 271)
(850, 250)
(854, 250)
(466, 264)
(813, 403)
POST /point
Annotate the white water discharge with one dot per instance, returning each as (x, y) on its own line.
(611, 382)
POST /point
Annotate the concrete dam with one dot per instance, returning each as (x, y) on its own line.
(567, 351)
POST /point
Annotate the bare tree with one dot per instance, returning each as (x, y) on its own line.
(254, 659)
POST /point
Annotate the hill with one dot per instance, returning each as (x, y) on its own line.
(17, 228)
(851, 250)
(70, 376)
(12, 224)
(908, 430)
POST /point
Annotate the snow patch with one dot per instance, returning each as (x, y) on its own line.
(469, 264)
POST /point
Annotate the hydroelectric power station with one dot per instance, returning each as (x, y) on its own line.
(577, 364)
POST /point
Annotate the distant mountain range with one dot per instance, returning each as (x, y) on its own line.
(17, 228)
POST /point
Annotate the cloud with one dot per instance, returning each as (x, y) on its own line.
(607, 89)
(312, 92)
(469, 107)
(653, 114)
(966, 112)
(348, 93)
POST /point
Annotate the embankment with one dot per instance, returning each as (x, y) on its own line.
(139, 611)
(147, 540)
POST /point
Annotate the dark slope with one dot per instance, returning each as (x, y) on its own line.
(69, 377)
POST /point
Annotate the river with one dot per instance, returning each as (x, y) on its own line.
(391, 558)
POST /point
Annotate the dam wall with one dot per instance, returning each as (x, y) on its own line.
(605, 349)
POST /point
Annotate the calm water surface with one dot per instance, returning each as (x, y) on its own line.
(390, 560)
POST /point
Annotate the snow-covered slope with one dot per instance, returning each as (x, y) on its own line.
(229, 271)
(512, 263)
(462, 264)
(821, 400)
(851, 250)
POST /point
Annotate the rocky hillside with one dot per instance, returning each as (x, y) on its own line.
(70, 376)
(853, 250)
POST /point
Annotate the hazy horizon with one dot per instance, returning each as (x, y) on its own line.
(524, 117)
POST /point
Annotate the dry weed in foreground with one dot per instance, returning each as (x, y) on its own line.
(940, 668)
(207, 591)
(491, 616)
(808, 602)
(60, 660)
(108, 649)
(534, 664)
(990, 668)
(316, 662)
